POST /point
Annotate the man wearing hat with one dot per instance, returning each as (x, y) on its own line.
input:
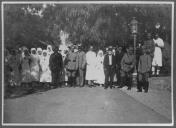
(71, 62)
(144, 67)
(109, 68)
(56, 65)
(81, 66)
(127, 66)
(149, 45)
(119, 55)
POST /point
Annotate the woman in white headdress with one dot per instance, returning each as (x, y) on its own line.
(100, 76)
(39, 52)
(45, 70)
(35, 74)
(90, 69)
(49, 50)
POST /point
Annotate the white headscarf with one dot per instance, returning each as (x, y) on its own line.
(39, 50)
(100, 58)
(33, 49)
(44, 62)
(49, 51)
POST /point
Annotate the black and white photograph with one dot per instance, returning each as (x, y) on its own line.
(87, 63)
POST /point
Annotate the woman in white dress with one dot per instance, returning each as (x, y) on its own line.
(39, 52)
(90, 69)
(157, 59)
(100, 76)
(45, 70)
(34, 65)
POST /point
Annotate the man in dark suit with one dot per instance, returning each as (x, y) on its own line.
(109, 68)
(56, 65)
(119, 56)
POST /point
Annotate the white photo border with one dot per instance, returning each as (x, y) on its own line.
(90, 2)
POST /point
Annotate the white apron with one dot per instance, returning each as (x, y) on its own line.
(157, 59)
(91, 63)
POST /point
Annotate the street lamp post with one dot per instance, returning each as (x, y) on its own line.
(134, 31)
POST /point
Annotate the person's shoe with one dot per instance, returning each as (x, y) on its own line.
(139, 90)
(90, 86)
(120, 86)
(105, 87)
(146, 87)
(129, 88)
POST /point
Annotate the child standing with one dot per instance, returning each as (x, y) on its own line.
(144, 67)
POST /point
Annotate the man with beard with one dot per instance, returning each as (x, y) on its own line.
(56, 65)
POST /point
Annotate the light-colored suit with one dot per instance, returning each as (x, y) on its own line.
(81, 67)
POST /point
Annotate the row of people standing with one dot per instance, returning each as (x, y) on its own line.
(28, 68)
(75, 66)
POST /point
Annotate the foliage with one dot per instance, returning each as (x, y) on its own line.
(98, 24)
(35, 25)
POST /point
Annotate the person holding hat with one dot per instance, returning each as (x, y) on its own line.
(144, 66)
(71, 64)
(109, 68)
(127, 66)
(56, 66)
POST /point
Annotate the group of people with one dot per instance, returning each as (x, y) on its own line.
(107, 67)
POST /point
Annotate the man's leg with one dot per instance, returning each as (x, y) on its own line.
(54, 78)
(140, 84)
(74, 78)
(78, 77)
(81, 77)
(69, 78)
(118, 76)
(123, 79)
(111, 75)
(146, 82)
(59, 76)
(106, 78)
(129, 80)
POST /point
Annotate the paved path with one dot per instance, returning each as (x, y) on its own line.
(79, 105)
